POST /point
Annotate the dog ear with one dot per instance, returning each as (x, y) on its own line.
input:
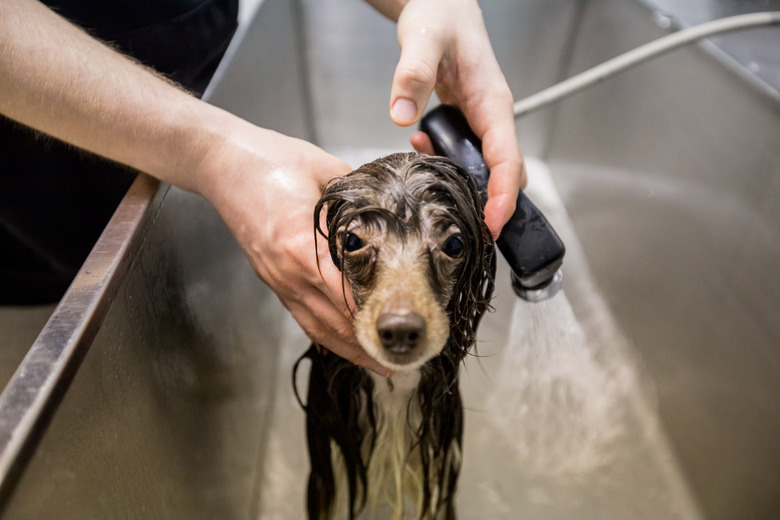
(331, 202)
(339, 411)
(355, 196)
(474, 288)
(472, 297)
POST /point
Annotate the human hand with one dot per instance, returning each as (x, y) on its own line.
(265, 186)
(444, 45)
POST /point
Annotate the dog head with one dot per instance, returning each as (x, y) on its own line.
(407, 232)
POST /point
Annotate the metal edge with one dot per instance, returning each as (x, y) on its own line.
(300, 19)
(230, 52)
(669, 23)
(36, 389)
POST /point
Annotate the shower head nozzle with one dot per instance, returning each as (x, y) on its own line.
(541, 292)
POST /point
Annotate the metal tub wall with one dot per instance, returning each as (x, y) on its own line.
(671, 176)
(352, 55)
(165, 415)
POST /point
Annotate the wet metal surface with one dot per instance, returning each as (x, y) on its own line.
(34, 391)
(754, 53)
(671, 175)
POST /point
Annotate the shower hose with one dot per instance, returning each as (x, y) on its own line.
(640, 54)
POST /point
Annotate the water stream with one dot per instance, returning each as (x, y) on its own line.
(557, 428)
(553, 403)
(560, 423)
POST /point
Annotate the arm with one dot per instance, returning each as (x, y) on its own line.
(58, 80)
(444, 45)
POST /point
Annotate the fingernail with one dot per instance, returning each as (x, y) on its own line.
(383, 371)
(404, 111)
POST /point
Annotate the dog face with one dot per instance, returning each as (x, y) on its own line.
(407, 232)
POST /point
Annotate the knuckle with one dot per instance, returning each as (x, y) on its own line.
(293, 246)
(413, 74)
(344, 332)
(296, 253)
(316, 335)
(504, 96)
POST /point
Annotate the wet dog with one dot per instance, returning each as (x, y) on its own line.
(408, 234)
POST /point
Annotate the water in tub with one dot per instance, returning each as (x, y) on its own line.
(559, 423)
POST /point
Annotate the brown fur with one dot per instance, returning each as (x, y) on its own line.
(395, 228)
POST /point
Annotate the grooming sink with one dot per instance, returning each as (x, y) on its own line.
(160, 386)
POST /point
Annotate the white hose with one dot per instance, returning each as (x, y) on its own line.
(640, 54)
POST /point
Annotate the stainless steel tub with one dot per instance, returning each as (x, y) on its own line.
(649, 389)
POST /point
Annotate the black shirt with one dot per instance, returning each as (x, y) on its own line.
(55, 200)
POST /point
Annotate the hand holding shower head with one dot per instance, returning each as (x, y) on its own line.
(528, 241)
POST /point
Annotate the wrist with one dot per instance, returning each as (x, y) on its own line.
(229, 157)
(199, 148)
(196, 134)
(210, 146)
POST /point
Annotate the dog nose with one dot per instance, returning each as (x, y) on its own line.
(400, 333)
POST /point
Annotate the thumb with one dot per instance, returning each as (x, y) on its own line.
(415, 75)
(329, 168)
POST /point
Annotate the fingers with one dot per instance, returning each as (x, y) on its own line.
(495, 126)
(333, 331)
(334, 168)
(334, 285)
(489, 108)
(449, 50)
(507, 172)
(422, 143)
(415, 76)
(502, 197)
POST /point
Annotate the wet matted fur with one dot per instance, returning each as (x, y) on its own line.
(407, 232)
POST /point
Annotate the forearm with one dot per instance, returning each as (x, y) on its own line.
(59, 80)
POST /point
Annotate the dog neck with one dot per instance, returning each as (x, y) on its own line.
(407, 430)
(395, 392)
(395, 472)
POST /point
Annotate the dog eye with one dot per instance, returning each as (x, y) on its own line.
(453, 247)
(352, 242)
